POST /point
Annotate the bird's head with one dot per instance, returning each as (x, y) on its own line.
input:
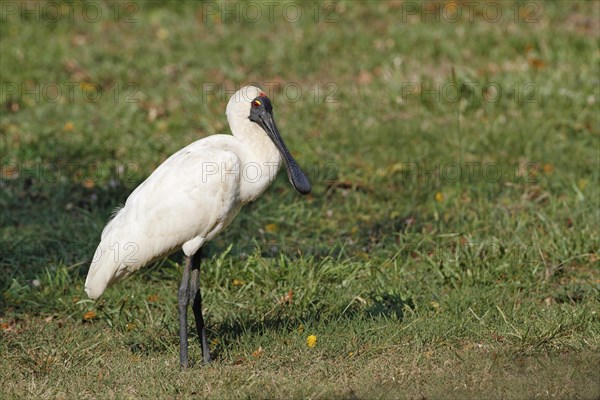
(251, 105)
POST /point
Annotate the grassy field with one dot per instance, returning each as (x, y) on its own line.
(450, 247)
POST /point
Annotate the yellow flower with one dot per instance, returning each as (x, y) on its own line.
(271, 228)
(238, 282)
(439, 196)
(88, 86)
(311, 341)
(68, 126)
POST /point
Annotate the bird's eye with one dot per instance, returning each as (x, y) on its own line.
(256, 103)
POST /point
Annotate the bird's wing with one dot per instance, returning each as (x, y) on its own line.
(192, 194)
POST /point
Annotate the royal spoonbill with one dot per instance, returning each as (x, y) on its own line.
(190, 198)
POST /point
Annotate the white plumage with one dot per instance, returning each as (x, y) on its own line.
(188, 199)
(195, 194)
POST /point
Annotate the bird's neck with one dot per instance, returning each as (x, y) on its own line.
(260, 161)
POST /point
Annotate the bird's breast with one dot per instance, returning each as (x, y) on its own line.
(256, 175)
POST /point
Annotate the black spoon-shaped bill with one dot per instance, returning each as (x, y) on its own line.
(295, 174)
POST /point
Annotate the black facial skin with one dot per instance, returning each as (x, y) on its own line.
(261, 112)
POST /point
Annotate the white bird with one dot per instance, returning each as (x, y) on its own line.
(190, 198)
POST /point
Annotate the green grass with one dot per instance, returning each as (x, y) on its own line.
(450, 249)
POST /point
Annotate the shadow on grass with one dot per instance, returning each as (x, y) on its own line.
(382, 305)
(379, 305)
(46, 225)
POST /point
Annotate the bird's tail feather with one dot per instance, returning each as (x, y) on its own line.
(107, 267)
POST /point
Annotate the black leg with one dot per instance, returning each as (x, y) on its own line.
(196, 299)
(183, 299)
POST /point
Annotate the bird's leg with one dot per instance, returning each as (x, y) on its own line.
(196, 299)
(183, 301)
